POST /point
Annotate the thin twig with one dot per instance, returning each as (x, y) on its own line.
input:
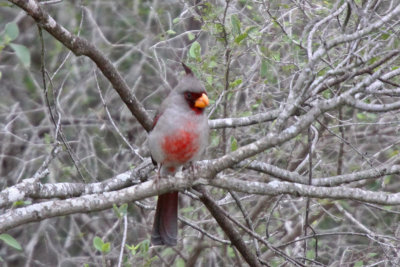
(135, 151)
(121, 254)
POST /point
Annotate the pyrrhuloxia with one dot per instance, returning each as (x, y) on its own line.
(179, 136)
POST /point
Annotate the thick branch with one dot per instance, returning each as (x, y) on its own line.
(351, 101)
(88, 203)
(102, 201)
(33, 188)
(289, 176)
(244, 121)
(228, 227)
(336, 192)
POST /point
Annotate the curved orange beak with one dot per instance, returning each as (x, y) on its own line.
(202, 101)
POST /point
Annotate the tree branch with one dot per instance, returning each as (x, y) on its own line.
(243, 121)
(32, 188)
(228, 227)
(105, 200)
(295, 177)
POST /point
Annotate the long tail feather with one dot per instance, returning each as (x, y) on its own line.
(165, 227)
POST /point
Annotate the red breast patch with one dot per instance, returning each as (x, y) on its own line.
(181, 146)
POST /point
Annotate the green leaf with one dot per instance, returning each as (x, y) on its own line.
(241, 37)
(176, 20)
(11, 31)
(235, 25)
(310, 254)
(11, 241)
(246, 34)
(372, 60)
(327, 94)
(218, 27)
(195, 50)
(123, 209)
(371, 255)
(21, 203)
(387, 179)
(6, 4)
(229, 96)
(191, 36)
(245, 113)
(231, 253)
(132, 248)
(256, 105)
(98, 243)
(264, 68)
(187, 209)
(144, 246)
(180, 262)
(209, 79)
(214, 140)
(358, 264)
(116, 210)
(171, 32)
(276, 55)
(149, 261)
(105, 248)
(22, 53)
(212, 64)
(393, 153)
(48, 138)
(251, 29)
(235, 83)
(361, 116)
(385, 36)
(234, 144)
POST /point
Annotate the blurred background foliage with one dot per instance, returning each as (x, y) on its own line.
(248, 55)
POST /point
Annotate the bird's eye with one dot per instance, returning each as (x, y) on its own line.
(188, 95)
